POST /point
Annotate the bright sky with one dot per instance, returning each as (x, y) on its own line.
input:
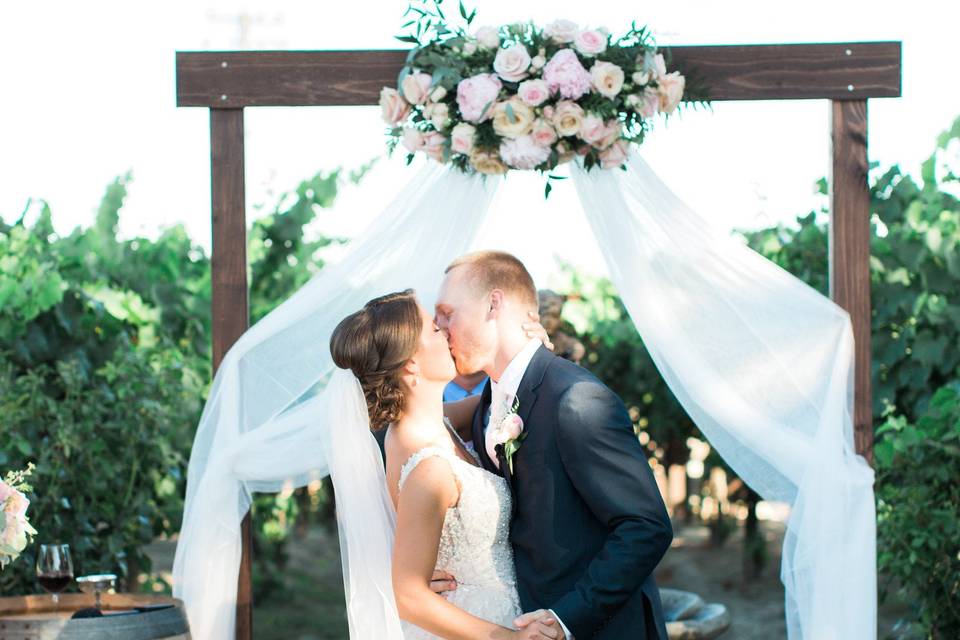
(88, 94)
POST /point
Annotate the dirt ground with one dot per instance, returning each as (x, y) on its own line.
(312, 609)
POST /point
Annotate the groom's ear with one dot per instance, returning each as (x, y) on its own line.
(496, 304)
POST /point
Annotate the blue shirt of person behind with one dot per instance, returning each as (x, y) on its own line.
(463, 387)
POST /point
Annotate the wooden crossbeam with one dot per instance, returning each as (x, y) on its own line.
(236, 79)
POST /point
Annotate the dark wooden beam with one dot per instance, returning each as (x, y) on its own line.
(233, 79)
(231, 314)
(850, 250)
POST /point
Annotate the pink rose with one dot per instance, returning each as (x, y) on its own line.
(590, 42)
(477, 95)
(16, 505)
(512, 63)
(650, 102)
(561, 31)
(522, 153)
(565, 74)
(433, 144)
(615, 155)
(542, 133)
(413, 140)
(670, 87)
(659, 65)
(5, 492)
(416, 87)
(393, 108)
(533, 92)
(461, 138)
(607, 78)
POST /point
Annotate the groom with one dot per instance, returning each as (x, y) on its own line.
(589, 525)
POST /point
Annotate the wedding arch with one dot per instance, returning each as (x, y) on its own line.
(847, 74)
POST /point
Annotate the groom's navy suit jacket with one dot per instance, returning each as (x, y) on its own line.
(589, 525)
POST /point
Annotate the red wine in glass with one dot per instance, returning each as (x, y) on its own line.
(54, 568)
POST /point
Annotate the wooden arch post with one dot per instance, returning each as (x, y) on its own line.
(847, 74)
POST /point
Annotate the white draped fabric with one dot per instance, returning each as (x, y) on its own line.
(761, 362)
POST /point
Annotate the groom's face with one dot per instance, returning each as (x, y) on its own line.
(463, 314)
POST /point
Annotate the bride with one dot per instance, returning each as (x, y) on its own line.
(453, 516)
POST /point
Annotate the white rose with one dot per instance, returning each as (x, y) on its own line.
(416, 87)
(487, 37)
(640, 78)
(561, 30)
(512, 63)
(607, 78)
(469, 48)
(461, 138)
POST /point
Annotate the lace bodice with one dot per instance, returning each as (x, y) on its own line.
(475, 543)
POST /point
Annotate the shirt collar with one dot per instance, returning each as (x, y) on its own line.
(513, 374)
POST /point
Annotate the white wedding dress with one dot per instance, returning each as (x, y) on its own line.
(475, 542)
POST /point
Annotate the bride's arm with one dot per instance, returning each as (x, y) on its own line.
(460, 414)
(427, 493)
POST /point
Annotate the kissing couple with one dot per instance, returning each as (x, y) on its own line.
(526, 512)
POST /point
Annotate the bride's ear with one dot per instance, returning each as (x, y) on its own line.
(411, 372)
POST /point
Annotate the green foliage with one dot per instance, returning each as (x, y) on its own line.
(918, 499)
(104, 365)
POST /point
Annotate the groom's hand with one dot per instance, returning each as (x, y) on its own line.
(545, 622)
(442, 581)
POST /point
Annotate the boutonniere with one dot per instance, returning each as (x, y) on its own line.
(509, 433)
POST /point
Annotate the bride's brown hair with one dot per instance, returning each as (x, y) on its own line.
(375, 343)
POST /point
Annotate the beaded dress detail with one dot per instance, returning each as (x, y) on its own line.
(475, 542)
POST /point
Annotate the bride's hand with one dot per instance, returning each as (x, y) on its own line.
(535, 330)
(538, 625)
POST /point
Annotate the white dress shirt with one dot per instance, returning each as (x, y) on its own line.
(502, 394)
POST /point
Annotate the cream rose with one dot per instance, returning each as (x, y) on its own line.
(512, 63)
(590, 42)
(487, 162)
(461, 138)
(487, 37)
(437, 113)
(533, 92)
(567, 118)
(393, 108)
(607, 78)
(438, 94)
(416, 87)
(512, 118)
(671, 91)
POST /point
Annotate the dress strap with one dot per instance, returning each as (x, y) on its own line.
(423, 454)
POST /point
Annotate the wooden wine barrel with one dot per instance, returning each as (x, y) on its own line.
(36, 618)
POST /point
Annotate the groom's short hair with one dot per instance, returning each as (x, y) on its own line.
(489, 270)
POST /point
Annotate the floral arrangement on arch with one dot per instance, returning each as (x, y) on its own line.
(15, 529)
(524, 97)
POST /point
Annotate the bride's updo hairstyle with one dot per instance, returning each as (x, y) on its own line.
(375, 343)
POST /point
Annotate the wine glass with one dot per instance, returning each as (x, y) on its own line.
(54, 569)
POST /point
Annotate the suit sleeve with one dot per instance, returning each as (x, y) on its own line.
(609, 469)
